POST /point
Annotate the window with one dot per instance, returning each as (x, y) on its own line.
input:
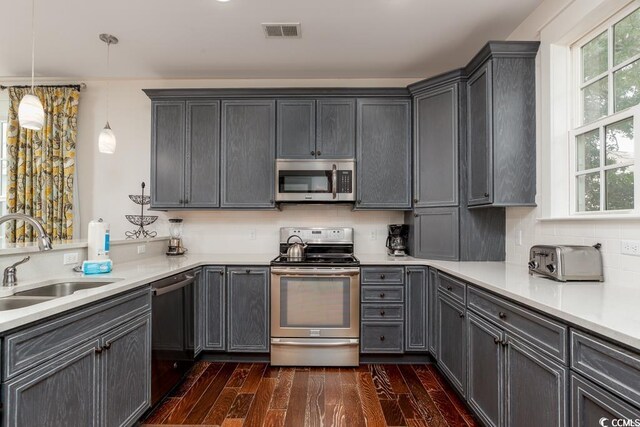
(604, 142)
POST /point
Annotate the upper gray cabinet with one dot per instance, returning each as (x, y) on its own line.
(336, 130)
(296, 129)
(435, 115)
(501, 117)
(248, 153)
(383, 154)
(203, 155)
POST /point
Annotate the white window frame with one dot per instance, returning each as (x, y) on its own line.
(577, 128)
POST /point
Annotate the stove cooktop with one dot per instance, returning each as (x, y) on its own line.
(337, 260)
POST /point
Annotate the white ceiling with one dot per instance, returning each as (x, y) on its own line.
(209, 39)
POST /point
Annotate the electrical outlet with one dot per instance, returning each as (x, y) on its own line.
(142, 249)
(630, 247)
(252, 234)
(71, 258)
(373, 235)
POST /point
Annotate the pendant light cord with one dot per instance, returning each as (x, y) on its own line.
(108, 49)
(33, 42)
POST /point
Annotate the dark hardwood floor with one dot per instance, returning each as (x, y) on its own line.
(239, 394)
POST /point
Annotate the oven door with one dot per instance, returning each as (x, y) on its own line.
(315, 302)
(313, 180)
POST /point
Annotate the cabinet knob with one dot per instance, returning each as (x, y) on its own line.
(97, 350)
(486, 194)
(313, 153)
(415, 200)
(504, 342)
(408, 272)
(382, 276)
(496, 340)
(318, 153)
(107, 345)
(502, 315)
(248, 271)
(382, 313)
(461, 315)
(359, 201)
(381, 337)
(381, 294)
(416, 215)
(181, 201)
(449, 288)
(221, 273)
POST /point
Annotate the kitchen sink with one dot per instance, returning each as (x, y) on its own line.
(12, 303)
(62, 289)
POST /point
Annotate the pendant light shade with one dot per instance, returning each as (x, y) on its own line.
(31, 112)
(107, 140)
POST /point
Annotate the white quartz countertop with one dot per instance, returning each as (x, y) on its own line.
(606, 308)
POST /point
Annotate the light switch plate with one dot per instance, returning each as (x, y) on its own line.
(142, 249)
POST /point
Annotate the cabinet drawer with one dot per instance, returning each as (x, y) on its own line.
(381, 338)
(607, 364)
(382, 275)
(453, 288)
(382, 312)
(543, 333)
(590, 404)
(33, 346)
(380, 294)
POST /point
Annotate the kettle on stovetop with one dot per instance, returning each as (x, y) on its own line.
(295, 251)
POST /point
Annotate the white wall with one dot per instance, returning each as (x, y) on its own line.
(105, 181)
(555, 23)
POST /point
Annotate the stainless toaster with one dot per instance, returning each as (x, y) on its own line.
(566, 262)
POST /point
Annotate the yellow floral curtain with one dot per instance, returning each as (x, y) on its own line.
(42, 164)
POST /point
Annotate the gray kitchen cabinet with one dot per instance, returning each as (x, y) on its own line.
(126, 366)
(167, 154)
(501, 133)
(248, 154)
(486, 392)
(417, 309)
(383, 154)
(379, 337)
(432, 318)
(452, 342)
(536, 387)
(436, 127)
(214, 312)
(296, 129)
(590, 404)
(434, 233)
(200, 308)
(248, 309)
(335, 128)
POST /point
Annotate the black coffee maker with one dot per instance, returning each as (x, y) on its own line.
(397, 239)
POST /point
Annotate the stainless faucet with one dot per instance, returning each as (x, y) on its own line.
(43, 239)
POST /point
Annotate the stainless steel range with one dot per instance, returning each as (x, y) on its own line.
(315, 300)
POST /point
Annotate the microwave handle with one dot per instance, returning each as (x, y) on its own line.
(334, 181)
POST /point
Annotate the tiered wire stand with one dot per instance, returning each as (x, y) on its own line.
(141, 220)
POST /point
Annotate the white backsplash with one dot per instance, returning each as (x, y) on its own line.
(624, 269)
(257, 232)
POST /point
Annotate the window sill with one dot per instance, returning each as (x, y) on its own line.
(594, 217)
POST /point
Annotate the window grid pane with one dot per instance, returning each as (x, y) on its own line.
(595, 101)
(588, 191)
(588, 150)
(595, 57)
(626, 83)
(619, 188)
(626, 38)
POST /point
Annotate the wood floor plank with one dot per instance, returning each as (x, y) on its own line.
(392, 413)
(428, 380)
(238, 377)
(191, 378)
(275, 418)
(370, 404)
(240, 406)
(447, 409)
(271, 372)
(315, 409)
(426, 407)
(316, 371)
(408, 406)
(332, 386)
(210, 395)
(460, 406)
(162, 411)
(382, 382)
(297, 404)
(253, 379)
(233, 422)
(417, 423)
(260, 404)
(395, 378)
(280, 398)
(352, 406)
(221, 407)
(348, 376)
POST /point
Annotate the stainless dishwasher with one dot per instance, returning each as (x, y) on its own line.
(173, 331)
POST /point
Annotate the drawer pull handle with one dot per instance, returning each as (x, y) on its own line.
(381, 337)
(107, 345)
(381, 294)
(449, 288)
(502, 315)
(381, 312)
(461, 315)
(97, 350)
(382, 276)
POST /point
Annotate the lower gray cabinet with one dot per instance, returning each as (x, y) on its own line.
(435, 233)
(431, 315)
(486, 370)
(199, 312)
(379, 337)
(214, 313)
(452, 342)
(536, 388)
(248, 305)
(417, 303)
(590, 404)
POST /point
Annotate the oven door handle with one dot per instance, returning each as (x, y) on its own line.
(165, 290)
(334, 181)
(306, 272)
(315, 344)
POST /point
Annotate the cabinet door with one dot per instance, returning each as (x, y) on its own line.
(435, 233)
(214, 313)
(199, 305)
(590, 404)
(63, 392)
(296, 129)
(480, 136)
(248, 296)
(432, 317)
(126, 372)
(486, 370)
(248, 153)
(335, 129)
(203, 154)
(436, 147)
(417, 319)
(452, 345)
(383, 154)
(167, 154)
(536, 388)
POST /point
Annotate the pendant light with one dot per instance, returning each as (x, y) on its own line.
(107, 139)
(30, 110)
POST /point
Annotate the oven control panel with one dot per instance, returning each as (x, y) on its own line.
(318, 235)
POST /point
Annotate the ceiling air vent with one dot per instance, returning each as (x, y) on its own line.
(281, 30)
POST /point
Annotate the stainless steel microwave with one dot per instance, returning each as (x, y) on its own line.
(315, 180)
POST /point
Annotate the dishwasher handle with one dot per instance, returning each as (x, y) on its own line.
(174, 287)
